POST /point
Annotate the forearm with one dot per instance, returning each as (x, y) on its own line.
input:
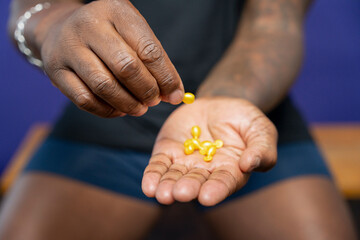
(263, 61)
(37, 27)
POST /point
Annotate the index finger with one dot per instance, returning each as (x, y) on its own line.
(148, 48)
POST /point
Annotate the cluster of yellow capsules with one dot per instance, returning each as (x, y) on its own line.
(206, 148)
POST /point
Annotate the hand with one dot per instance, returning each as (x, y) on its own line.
(106, 59)
(249, 144)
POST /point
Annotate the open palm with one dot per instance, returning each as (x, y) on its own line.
(249, 144)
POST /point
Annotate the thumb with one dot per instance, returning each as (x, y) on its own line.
(261, 152)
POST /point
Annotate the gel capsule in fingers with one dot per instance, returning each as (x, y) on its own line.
(188, 98)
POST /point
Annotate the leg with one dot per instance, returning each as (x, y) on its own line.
(43, 206)
(298, 208)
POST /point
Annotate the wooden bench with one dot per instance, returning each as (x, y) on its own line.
(339, 143)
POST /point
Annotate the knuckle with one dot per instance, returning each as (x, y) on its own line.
(84, 101)
(103, 85)
(168, 83)
(149, 51)
(150, 94)
(125, 64)
(56, 74)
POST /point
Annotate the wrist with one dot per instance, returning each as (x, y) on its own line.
(39, 25)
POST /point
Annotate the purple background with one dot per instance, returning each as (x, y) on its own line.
(327, 89)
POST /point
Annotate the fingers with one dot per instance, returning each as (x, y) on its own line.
(220, 184)
(188, 187)
(150, 51)
(126, 66)
(164, 193)
(156, 60)
(169, 182)
(69, 84)
(158, 166)
(261, 151)
(102, 83)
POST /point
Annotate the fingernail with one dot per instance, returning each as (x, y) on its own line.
(255, 164)
(176, 96)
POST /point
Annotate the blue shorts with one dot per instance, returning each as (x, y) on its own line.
(121, 171)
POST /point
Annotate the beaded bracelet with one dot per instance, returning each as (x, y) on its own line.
(19, 32)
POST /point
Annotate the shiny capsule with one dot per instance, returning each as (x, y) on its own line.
(188, 142)
(219, 143)
(196, 143)
(206, 148)
(210, 153)
(189, 149)
(195, 132)
(188, 98)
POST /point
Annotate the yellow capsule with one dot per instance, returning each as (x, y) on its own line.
(202, 151)
(196, 143)
(188, 142)
(195, 132)
(204, 146)
(219, 143)
(210, 153)
(188, 98)
(189, 149)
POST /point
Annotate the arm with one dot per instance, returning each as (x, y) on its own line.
(260, 66)
(265, 56)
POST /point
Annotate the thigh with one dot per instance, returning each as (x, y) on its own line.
(46, 206)
(306, 207)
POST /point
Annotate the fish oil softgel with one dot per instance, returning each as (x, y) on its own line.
(206, 148)
(188, 98)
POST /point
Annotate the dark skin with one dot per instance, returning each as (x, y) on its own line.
(105, 65)
(260, 65)
(103, 56)
(252, 77)
(249, 144)
(266, 56)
